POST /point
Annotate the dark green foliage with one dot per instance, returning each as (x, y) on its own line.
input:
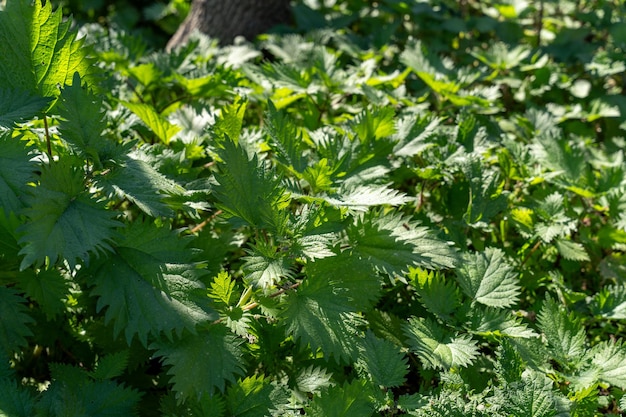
(343, 221)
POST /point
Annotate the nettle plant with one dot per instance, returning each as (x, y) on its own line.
(341, 230)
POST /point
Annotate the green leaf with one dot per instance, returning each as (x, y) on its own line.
(413, 135)
(384, 362)
(249, 191)
(162, 128)
(230, 122)
(361, 197)
(222, 289)
(313, 379)
(139, 182)
(15, 400)
(255, 396)
(150, 286)
(572, 251)
(610, 302)
(82, 120)
(497, 322)
(488, 278)
(349, 400)
(437, 347)
(373, 124)
(17, 106)
(510, 364)
(65, 221)
(284, 139)
(111, 365)
(203, 363)
(439, 295)
(321, 313)
(564, 332)
(14, 321)
(49, 288)
(73, 393)
(392, 243)
(43, 52)
(609, 357)
(16, 171)
(532, 397)
(265, 266)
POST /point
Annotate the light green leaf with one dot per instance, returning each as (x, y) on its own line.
(572, 251)
(564, 333)
(161, 127)
(265, 266)
(202, 363)
(349, 400)
(610, 302)
(230, 122)
(392, 244)
(255, 396)
(222, 288)
(497, 322)
(42, 51)
(284, 139)
(65, 221)
(249, 191)
(373, 124)
(383, 362)
(532, 397)
(313, 379)
(610, 358)
(361, 197)
(437, 347)
(510, 364)
(489, 278)
(439, 295)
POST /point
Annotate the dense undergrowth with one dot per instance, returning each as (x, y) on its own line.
(401, 208)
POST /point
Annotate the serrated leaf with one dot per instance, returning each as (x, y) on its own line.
(149, 286)
(609, 357)
(531, 397)
(497, 322)
(82, 120)
(255, 396)
(564, 333)
(17, 106)
(509, 365)
(383, 361)
(43, 52)
(48, 288)
(111, 365)
(440, 296)
(65, 221)
(322, 311)
(265, 267)
(230, 122)
(413, 133)
(392, 243)
(203, 363)
(610, 302)
(249, 191)
(15, 400)
(222, 288)
(16, 170)
(313, 379)
(160, 126)
(572, 251)
(349, 400)
(437, 347)
(284, 139)
(361, 197)
(488, 278)
(14, 321)
(373, 124)
(72, 392)
(139, 182)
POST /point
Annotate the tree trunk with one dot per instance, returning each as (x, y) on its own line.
(226, 19)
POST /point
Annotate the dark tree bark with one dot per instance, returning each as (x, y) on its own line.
(226, 19)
